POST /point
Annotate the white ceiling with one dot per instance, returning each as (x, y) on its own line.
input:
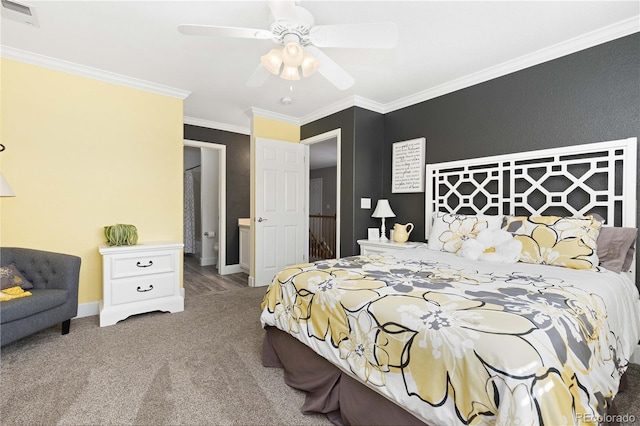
(442, 46)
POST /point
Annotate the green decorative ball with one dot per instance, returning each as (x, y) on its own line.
(121, 235)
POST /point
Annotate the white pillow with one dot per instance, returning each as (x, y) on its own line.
(492, 246)
(449, 231)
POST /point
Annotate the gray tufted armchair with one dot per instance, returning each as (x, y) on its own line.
(54, 299)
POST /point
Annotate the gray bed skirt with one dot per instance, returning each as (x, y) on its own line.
(343, 399)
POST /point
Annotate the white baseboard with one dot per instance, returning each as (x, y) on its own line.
(93, 308)
(635, 357)
(88, 309)
(229, 269)
(208, 261)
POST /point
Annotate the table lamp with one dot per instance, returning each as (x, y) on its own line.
(383, 211)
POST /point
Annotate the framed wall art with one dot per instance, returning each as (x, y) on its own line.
(408, 165)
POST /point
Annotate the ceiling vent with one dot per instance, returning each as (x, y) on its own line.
(19, 12)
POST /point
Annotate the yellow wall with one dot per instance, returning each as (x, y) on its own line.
(272, 129)
(81, 154)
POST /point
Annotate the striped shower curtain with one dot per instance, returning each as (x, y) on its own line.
(189, 214)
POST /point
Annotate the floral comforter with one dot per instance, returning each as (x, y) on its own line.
(461, 342)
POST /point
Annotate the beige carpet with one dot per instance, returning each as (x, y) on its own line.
(201, 366)
(197, 367)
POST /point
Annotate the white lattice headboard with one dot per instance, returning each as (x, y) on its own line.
(576, 180)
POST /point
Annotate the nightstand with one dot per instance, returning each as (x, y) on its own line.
(378, 247)
(140, 278)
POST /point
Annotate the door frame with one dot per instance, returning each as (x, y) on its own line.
(337, 135)
(223, 269)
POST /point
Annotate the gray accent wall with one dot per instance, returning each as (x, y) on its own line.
(238, 180)
(589, 96)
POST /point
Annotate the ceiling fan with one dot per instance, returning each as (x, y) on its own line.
(293, 28)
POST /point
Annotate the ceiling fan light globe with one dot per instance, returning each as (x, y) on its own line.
(290, 73)
(272, 61)
(309, 64)
(292, 54)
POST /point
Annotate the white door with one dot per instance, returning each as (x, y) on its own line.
(280, 219)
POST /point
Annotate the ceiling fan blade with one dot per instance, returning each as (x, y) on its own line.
(259, 76)
(331, 70)
(236, 32)
(283, 10)
(383, 35)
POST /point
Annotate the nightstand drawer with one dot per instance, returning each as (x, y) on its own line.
(131, 266)
(380, 247)
(144, 288)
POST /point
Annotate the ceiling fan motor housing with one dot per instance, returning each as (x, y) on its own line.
(287, 30)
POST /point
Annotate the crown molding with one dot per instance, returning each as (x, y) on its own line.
(343, 104)
(200, 122)
(576, 44)
(328, 110)
(94, 73)
(374, 106)
(257, 112)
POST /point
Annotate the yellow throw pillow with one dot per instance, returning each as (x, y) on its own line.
(553, 240)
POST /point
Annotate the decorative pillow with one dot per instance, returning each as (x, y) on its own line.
(492, 246)
(449, 231)
(11, 277)
(616, 247)
(560, 241)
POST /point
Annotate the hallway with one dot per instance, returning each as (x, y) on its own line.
(205, 279)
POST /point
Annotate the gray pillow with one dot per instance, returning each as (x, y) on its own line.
(11, 277)
(615, 247)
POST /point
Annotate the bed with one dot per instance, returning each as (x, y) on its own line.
(443, 334)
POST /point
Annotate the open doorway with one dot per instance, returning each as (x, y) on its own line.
(204, 204)
(323, 201)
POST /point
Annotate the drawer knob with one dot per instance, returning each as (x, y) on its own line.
(140, 290)
(140, 265)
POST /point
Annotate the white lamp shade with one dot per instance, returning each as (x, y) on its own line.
(290, 73)
(292, 54)
(272, 61)
(383, 209)
(5, 189)
(309, 64)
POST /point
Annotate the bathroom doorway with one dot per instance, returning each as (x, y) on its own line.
(204, 203)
